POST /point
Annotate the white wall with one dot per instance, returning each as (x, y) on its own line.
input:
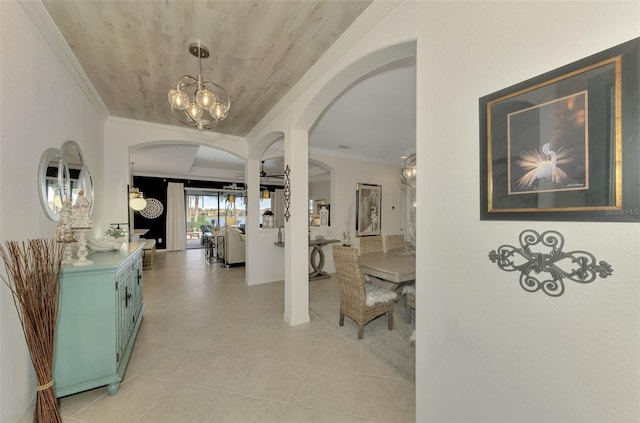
(33, 81)
(269, 257)
(320, 190)
(347, 173)
(487, 350)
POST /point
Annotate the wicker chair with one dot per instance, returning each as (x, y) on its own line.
(409, 300)
(370, 244)
(395, 242)
(361, 303)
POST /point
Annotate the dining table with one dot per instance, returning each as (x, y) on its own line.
(394, 267)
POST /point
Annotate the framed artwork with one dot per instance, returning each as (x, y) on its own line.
(368, 201)
(317, 204)
(564, 145)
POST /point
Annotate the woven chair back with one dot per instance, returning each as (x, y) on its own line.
(350, 277)
(370, 244)
(395, 242)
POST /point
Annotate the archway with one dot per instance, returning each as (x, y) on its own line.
(265, 262)
(350, 78)
(207, 174)
(297, 153)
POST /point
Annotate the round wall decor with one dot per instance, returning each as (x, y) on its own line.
(153, 209)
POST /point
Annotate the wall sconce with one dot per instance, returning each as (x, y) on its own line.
(265, 194)
(231, 198)
(136, 199)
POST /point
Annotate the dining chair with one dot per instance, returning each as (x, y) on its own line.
(409, 300)
(370, 244)
(395, 242)
(359, 301)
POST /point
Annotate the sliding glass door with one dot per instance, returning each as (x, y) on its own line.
(217, 208)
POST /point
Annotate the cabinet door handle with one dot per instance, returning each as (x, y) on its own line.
(127, 296)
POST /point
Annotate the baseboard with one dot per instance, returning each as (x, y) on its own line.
(27, 414)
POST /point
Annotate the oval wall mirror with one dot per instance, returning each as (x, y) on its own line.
(63, 173)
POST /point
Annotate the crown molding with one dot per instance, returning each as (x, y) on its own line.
(43, 21)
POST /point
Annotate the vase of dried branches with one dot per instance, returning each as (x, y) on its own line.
(33, 276)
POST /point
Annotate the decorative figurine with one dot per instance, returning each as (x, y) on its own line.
(324, 216)
(81, 223)
(64, 232)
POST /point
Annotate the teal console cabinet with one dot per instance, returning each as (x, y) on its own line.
(99, 313)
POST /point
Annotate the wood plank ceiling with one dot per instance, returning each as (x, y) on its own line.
(135, 51)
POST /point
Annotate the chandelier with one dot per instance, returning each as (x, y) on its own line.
(196, 102)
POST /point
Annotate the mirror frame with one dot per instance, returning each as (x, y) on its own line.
(47, 157)
(85, 182)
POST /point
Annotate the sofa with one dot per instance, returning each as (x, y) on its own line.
(234, 250)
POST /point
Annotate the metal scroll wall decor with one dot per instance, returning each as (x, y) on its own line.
(287, 193)
(547, 271)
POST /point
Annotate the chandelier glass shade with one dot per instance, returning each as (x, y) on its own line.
(196, 102)
(408, 171)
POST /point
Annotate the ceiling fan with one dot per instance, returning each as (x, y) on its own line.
(264, 174)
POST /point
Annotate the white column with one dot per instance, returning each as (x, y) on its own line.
(296, 262)
(252, 262)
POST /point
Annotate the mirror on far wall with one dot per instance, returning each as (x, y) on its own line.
(62, 173)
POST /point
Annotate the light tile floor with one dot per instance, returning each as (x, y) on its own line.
(211, 349)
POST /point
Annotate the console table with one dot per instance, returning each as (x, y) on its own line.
(100, 309)
(316, 258)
